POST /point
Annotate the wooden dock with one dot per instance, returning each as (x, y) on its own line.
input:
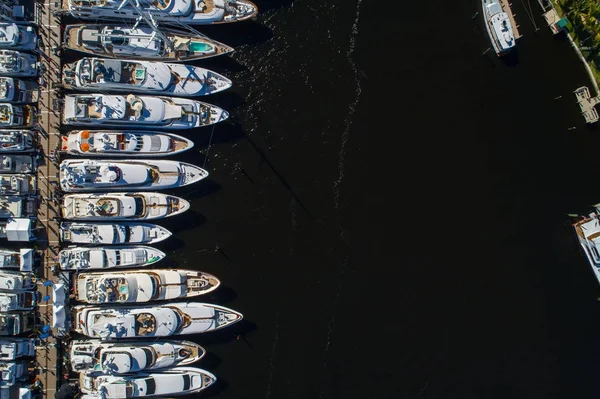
(587, 104)
(506, 8)
(48, 358)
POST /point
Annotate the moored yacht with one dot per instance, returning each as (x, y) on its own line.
(587, 231)
(142, 112)
(126, 175)
(15, 36)
(13, 206)
(165, 383)
(16, 259)
(83, 258)
(150, 321)
(17, 91)
(16, 115)
(12, 372)
(16, 141)
(17, 184)
(121, 206)
(12, 324)
(106, 143)
(132, 357)
(121, 233)
(498, 26)
(14, 348)
(15, 301)
(17, 163)
(149, 77)
(141, 43)
(10, 281)
(142, 286)
(200, 12)
(16, 64)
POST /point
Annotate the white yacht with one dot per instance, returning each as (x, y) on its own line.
(142, 43)
(13, 206)
(106, 143)
(14, 301)
(12, 372)
(17, 91)
(126, 175)
(177, 381)
(132, 357)
(498, 26)
(16, 141)
(146, 77)
(151, 321)
(15, 348)
(142, 286)
(12, 324)
(19, 65)
(17, 36)
(141, 112)
(113, 233)
(200, 12)
(17, 184)
(83, 258)
(16, 259)
(121, 206)
(16, 281)
(16, 115)
(17, 163)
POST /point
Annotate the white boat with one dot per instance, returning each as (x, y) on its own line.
(14, 348)
(106, 143)
(16, 115)
(121, 206)
(11, 281)
(126, 175)
(17, 36)
(114, 233)
(140, 112)
(142, 286)
(16, 141)
(12, 324)
(17, 163)
(132, 357)
(17, 184)
(83, 258)
(177, 381)
(13, 206)
(498, 26)
(16, 64)
(20, 259)
(13, 371)
(17, 91)
(141, 43)
(151, 321)
(201, 12)
(15, 301)
(146, 77)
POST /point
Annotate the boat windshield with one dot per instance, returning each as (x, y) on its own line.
(139, 206)
(150, 356)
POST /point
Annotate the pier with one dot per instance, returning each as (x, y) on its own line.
(48, 360)
(587, 104)
(506, 8)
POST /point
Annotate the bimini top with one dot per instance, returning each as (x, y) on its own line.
(199, 12)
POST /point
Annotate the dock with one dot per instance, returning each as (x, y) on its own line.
(48, 348)
(587, 104)
(506, 8)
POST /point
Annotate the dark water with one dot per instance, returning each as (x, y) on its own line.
(390, 207)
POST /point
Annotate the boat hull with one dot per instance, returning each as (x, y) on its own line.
(113, 234)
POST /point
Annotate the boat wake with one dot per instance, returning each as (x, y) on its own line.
(351, 108)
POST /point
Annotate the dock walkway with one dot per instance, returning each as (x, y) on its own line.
(47, 354)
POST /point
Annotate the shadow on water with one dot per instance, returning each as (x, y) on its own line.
(224, 132)
(236, 332)
(185, 221)
(239, 34)
(223, 294)
(198, 190)
(228, 100)
(224, 64)
(268, 5)
(170, 245)
(210, 361)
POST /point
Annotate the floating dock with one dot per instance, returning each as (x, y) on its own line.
(587, 104)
